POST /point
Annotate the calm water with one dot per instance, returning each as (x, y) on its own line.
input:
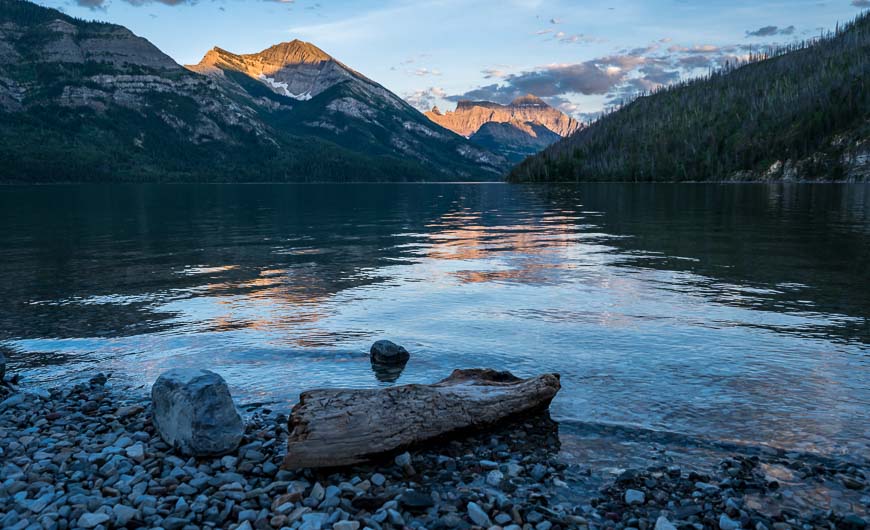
(735, 312)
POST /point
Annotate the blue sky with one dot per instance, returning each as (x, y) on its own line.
(579, 55)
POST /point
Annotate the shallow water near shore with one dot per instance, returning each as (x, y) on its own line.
(730, 312)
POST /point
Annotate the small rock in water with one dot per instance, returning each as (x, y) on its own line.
(476, 513)
(194, 412)
(386, 352)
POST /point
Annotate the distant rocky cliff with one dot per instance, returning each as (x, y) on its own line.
(522, 128)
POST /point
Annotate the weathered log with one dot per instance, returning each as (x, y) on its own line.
(340, 427)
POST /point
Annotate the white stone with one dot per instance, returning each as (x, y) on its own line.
(193, 411)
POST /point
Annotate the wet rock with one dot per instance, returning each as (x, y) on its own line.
(194, 412)
(386, 352)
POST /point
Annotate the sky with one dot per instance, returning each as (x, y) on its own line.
(583, 56)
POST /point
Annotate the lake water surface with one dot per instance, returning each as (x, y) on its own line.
(734, 312)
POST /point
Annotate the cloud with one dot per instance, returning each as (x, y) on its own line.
(490, 73)
(861, 3)
(615, 78)
(595, 77)
(771, 31)
(423, 72)
(424, 99)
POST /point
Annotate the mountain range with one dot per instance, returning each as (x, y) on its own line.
(90, 101)
(800, 112)
(522, 128)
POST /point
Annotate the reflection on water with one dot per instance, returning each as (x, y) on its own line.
(736, 312)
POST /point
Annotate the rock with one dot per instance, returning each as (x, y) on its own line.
(662, 523)
(136, 452)
(726, 523)
(346, 525)
(124, 514)
(416, 501)
(539, 472)
(479, 516)
(194, 412)
(378, 479)
(91, 520)
(386, 352)
(488, 464)
(494, 478)
(403, 459)
(853, 522)
(634, 497)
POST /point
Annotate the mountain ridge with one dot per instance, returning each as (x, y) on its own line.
(470, 115)
(91, 101)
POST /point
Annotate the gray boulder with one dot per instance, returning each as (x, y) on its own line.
(193, 411)
(386, 352)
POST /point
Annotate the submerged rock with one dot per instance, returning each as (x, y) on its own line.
(387, 352)
(194, 412)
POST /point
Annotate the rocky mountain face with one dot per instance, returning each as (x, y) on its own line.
(515, 140)
(320, 96)
(526, 126)
(296, 69)
(92, 101)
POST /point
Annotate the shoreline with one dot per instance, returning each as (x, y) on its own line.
(87, 456)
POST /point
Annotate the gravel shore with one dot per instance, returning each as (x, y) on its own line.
(88, 456)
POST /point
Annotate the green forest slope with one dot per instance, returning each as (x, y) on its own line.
(802, 113)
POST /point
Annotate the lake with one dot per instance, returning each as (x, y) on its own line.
(728, 312)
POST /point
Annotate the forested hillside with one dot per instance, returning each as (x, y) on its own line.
(799, 112)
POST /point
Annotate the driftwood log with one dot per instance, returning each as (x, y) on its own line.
(340, 427)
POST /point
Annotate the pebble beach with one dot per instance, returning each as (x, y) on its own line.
(88, 456)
